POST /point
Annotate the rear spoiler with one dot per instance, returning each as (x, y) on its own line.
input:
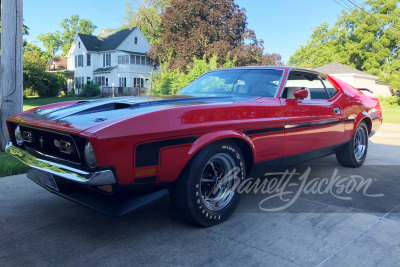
(366, 89)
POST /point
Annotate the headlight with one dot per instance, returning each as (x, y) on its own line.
(18, 136)
(89, 156)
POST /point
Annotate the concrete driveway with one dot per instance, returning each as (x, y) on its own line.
(38, 228)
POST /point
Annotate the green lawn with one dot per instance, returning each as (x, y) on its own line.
(11, 166)
(391, 114)
(33, 102)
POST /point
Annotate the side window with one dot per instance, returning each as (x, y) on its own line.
(307, 81)
(258, 83)
(329, 87)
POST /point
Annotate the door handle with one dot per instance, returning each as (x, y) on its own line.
(336, 110)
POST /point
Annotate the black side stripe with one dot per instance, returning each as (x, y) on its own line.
(148, 154)
(289, 127)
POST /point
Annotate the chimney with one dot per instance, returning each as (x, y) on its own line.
(104, 30)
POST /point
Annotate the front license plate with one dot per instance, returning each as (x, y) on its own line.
(47, 179)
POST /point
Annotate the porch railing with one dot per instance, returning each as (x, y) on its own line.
(123, 91)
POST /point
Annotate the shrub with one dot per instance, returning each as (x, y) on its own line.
(391, 100)
(38, 80)
(90, 90)
(72, 92)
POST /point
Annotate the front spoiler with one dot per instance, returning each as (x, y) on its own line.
(105, 177)
(112, 205)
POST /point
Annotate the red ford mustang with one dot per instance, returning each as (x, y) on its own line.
(117, 154)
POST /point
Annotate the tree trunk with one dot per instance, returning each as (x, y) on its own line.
(11, 86)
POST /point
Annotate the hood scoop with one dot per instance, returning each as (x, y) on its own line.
(104, 107)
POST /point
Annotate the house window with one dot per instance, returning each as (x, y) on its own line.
(79, 61)
(133, 61)
(102, 81)
(79, 82)
(123, 59)
(106, 60)
(88, 80)
(138, 82)
(88, 60)
(122, 82)
(135, 40)
(142, 60)
(79, 44)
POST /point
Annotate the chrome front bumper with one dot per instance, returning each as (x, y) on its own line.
(105, 177)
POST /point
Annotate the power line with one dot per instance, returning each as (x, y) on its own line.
(341, 5)
(371, 14)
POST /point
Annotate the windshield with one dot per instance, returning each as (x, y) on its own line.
(243, 82)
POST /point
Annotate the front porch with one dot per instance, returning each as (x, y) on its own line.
(123, 91)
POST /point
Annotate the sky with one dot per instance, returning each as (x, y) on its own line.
(284, 25)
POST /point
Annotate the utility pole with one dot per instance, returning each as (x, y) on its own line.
(11, 86)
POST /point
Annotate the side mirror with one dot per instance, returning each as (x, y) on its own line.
(300, 94)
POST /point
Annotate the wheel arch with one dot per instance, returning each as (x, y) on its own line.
(241, 140)
(363, 117)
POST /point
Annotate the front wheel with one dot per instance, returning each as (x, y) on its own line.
(355, 152)
(205, 194)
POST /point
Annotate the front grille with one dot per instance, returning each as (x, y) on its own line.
(48, 144)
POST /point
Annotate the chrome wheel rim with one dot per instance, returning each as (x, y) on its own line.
(360, 143)
(215, 189)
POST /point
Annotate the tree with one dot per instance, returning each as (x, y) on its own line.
(193, 28)
(366, 37)
(63, 39)
(51, 41)
(35, 77)
(147, 17)
(171, 81)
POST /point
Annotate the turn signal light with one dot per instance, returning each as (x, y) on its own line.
(146, 171)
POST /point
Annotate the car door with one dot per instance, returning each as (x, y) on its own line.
(266, 124)
(314, 126)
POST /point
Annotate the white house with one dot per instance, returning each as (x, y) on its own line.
(111, 59)
(356, 78)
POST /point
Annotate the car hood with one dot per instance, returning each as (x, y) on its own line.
(85, 114)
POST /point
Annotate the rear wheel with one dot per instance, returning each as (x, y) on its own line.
(355, 152)
(205, 193)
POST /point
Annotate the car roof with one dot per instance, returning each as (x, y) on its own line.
(288, 68)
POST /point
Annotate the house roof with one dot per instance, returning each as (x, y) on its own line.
(105, 41)
(59, 62)
(135, 53)
(107, 69)
(338, 68)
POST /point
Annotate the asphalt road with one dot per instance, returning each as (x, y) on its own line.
(38, 228)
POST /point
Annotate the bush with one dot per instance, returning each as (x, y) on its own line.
(90, 90)
(38, 80)
(72, 92)
(391, 100)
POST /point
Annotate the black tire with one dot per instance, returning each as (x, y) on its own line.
(196, 197)
(355, 152)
